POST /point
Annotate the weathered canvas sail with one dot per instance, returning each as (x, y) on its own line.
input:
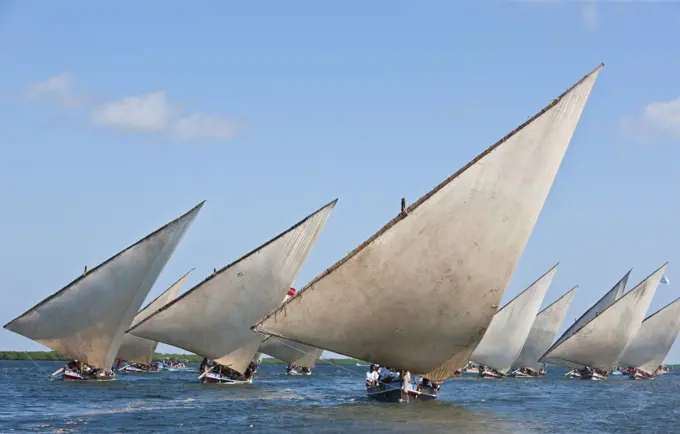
(422, 291)
(543, 331)
(213, 318)
(654, 340)
(600, 343)
(86, 320)
(300, 355)
(610, 297)
(510, 327)
(139, 350)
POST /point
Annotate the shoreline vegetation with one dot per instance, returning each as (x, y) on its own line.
(53, 356)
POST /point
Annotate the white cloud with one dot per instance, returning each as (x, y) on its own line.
(660, 120)
(148, 113)
(590, 17)
(57, 90)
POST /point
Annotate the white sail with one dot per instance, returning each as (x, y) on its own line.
(510, 327)
(610, 297)
(213, 318)
(654, 339)
(300, 355)
(419, 294)
(543, 331)
(600, 343)
(139, 350)
(87, 319)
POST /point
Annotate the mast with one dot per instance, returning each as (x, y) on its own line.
(86, 320)
(510, 327)
(428, 283)
(654, 340)
(543, 331)
(139, 350)
(600, 343)
(213, 318)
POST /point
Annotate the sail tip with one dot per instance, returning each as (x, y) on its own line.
(332, 203)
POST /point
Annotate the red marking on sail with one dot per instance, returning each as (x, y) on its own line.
(291, 292)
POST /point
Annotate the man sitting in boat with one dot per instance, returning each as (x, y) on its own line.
(372, 376)
(387, 375)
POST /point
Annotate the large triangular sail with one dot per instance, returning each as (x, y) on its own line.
(610, 297)
(600, 343)
(87, 319)
(543, 331)
(654, 339)
(139, 350)
(421, 291)
(510, 327)
(213, 318)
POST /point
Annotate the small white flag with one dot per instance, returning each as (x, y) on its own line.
(665, 281)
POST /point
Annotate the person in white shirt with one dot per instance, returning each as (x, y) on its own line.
(383, 373)
(372, 376)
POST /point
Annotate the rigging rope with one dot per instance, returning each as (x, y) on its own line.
(36, 364)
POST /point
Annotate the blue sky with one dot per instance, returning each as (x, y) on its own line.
(115, 118)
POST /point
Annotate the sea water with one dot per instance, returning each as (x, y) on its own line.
(332, 399)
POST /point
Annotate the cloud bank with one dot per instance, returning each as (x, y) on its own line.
(150, 113)
(659, 121)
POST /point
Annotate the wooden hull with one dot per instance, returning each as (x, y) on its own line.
(488, 373)
(69, 375)
(593, 376)
(393, 393)
(573, 374)
(135, 370)
(640, 375)
(213, 378)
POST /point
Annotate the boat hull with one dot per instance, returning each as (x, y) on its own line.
(69, 375)
(488, 373)
(393, 393)
(135, 370)
(595, 376)
(213, 378)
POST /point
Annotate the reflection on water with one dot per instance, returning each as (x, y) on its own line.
(331, 400)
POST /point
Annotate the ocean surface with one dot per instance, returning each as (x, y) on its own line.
(331, 400)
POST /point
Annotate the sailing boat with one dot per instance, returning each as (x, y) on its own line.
(542, 333)
(645, 353)
(419, 294)
(610, 297)
(139, 351)
(213, 318)
(509, 329)
(599, 344)
(301, 358)
(86, 320)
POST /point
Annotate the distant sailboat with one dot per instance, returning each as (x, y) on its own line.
(213, 318)
(87, 319)
(610, 297)
(301, 358)
(139, 351)
(599, 344)
(509, 329)
(644, 355)
(419, 294)
(542, 333)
